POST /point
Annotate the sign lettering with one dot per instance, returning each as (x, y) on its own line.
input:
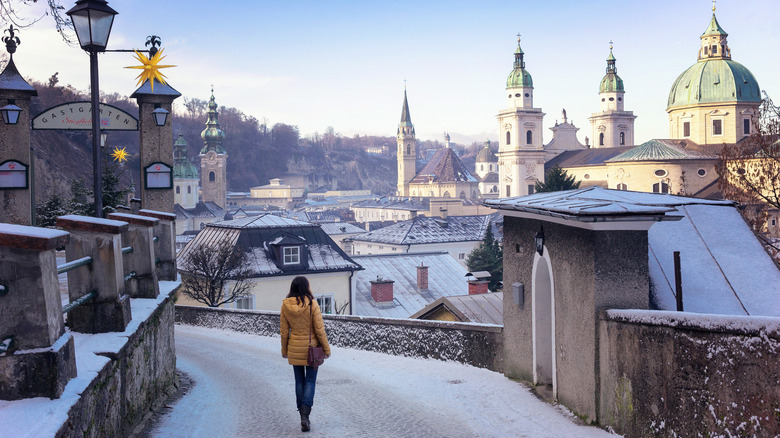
(78, 116)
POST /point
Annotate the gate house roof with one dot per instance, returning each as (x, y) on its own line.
(596, 204)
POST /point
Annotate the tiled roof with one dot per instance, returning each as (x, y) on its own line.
(423, 230)
(446, 277)
(489, 177)
(395, 203)
(585, 157)
(659, 150)
(201, 209)
(480, 308)
(257, 235)
(443, 167)
(597, 203)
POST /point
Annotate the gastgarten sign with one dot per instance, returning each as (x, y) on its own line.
(78, 115)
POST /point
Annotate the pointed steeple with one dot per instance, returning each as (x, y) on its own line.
(212, 136)
(611, 81)
(714, 43)
(405, 126)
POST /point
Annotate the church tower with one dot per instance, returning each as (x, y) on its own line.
(185, 176)
(407, 150)
(213, 160)
(613, 126)
(521, 154)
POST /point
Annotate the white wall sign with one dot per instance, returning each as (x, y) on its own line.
(78, 116)
(13, 175)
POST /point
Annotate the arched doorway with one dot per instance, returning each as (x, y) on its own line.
(543, 305)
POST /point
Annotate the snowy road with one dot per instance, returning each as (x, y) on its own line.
(243, 388)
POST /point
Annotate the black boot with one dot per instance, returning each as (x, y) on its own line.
(305, 425)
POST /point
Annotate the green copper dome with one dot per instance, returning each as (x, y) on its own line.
(714, 81)
(182, 167)
(212, 135)
(519, 76)
(486, 155)
(611, 81)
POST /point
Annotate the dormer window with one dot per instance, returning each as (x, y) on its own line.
(292, 255)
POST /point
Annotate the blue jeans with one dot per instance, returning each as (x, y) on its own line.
(305, 381)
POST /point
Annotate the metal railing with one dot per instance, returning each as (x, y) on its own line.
(69, 266)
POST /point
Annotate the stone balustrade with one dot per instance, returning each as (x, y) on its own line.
(165, 246)
(36, 352)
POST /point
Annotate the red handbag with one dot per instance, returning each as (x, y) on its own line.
(316, 354)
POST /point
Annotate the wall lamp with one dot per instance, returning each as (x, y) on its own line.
(160, 115)
(10, 113)
(539, 240)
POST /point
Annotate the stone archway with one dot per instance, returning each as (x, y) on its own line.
(543, 322)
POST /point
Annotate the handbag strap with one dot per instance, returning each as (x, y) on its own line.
(311, 322)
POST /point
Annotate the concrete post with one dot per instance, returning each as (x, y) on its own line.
(100, 239)
(16, 201)
(38, 357)
(165, 247)
(156, 142)
(139, 267)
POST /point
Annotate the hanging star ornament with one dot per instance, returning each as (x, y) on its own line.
(150, 68)
(119, 155)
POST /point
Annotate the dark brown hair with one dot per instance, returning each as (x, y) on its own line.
(299, 288)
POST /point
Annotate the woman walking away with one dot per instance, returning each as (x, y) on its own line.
(301, 327)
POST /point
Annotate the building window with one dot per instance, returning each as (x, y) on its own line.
(773, 222)
(178, 190)
(622, 186)
(660, 173)
(686, 129)
(408, 150)
(746, 126)
(462, 256)
(247, 302)
(481, 167)
(508, 191)
(622, 138)
(189, 190)
(446, 194)
(508, 137)
(530, 189)
(661, 187)
(292, 255)
(212, 177)
(701, 172)
(529, 137)
(717, 127)
(326, 303)
(601, 139)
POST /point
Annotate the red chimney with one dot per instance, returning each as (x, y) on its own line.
(382, 290)
(478, 287)
(422, 277)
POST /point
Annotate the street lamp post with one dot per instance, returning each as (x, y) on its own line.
(92, 20)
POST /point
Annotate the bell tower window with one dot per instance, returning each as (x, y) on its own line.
(601, 139)
(508, 138)
(622, 138)
(212, 177)
(529, 137)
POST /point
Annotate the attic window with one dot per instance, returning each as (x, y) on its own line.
(292, 255)
(660, 173)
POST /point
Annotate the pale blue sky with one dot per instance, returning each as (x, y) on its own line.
(343, 64)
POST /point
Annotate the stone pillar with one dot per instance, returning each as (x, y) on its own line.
(139, 267)
(165, 246)
(17, 205)
(100, 239)
(39, 358)
(156, 141)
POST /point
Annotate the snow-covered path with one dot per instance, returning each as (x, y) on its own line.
(243, 388)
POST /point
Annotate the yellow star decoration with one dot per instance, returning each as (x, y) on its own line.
(150, 68)
(119, 154)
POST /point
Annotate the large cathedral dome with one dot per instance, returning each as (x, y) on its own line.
(715, 78)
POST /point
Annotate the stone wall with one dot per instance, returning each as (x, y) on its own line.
(134, 379)
(678, 374)
(471, 344)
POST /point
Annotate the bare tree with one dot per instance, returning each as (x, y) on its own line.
(749, 170)
(215, 275)
(13, 12)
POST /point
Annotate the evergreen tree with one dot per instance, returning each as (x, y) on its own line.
(555, 180)
(46, 213)
(81, 199)
(112, 194)
(488, 256)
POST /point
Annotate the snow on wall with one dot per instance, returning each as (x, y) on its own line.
(683, 374)
(471, 344)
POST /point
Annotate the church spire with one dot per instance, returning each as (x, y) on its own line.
(405, 126)
(714, 43)
(212, 136)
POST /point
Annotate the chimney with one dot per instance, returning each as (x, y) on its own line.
(382, 290)
(477, 287)
(443, 213)
(422, 277)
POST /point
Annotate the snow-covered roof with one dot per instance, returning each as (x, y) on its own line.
(394, 203)
(446, 277)
(444, 167)
(725, 270)
(480, 308)
(596, 203)
(261, 236)
(423, 230)
(337, 228)
(201, 209)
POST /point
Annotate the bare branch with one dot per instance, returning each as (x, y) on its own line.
(217, 275)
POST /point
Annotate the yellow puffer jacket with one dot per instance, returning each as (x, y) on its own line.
(295, 323)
